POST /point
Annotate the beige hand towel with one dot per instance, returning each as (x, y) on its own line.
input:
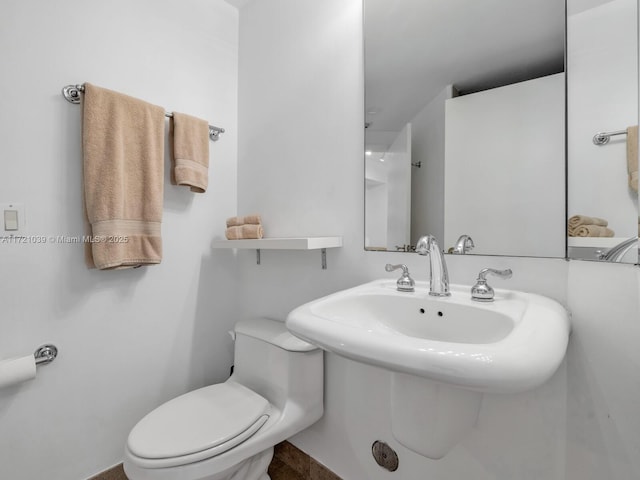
(632, 157)
(591, 231)
(578, 220)
(248, 219)
(190, 153)
(123, 146)
(240, 232)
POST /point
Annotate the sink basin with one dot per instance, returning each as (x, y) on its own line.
(415, 317)
(510, 345)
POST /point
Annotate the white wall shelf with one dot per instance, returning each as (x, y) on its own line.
(289, 243)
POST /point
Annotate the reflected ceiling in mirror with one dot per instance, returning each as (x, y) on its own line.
(435, 71)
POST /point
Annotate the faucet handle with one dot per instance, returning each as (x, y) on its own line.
(405, 283)
(482, 291)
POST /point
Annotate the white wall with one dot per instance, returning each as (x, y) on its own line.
(504, 169)
(376, 207)
(128, 340)
(376, 203)
(398, 160)
(602, 76)
(300, 165)
(427, 182)
(388, 193)
(603, 425)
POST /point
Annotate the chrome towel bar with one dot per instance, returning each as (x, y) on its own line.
(602, 138)
(72, 94)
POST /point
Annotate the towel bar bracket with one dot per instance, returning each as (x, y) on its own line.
(72, 93)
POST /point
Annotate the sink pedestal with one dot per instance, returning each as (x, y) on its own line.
(428, 417)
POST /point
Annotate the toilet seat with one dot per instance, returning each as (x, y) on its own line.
(197, 425)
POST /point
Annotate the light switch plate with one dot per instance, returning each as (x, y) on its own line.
(12, 219)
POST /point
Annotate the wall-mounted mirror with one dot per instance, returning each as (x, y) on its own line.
(465, 125)
(602, 149)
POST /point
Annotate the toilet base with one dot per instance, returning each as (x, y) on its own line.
(254, 468)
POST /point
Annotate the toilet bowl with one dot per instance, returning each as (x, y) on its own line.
(227, 431)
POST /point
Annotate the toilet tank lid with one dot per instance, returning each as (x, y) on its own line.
(273, 332)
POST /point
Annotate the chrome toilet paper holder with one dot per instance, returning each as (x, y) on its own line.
(45, 354)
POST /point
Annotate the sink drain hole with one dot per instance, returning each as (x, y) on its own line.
(422, 310)
(385, 456)
(440, 314)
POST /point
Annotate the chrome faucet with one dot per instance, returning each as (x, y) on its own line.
(616, 253)
(438, 276)
(463, 245)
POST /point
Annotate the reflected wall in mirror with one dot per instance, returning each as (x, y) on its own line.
(465, 125)
(602, 97)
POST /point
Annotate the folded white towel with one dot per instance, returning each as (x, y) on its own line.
(241, 232)
(246, 220)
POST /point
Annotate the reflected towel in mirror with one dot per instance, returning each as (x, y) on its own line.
(585, 226)
(591, 231)
(578, 220)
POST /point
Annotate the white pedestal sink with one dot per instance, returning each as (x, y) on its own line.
(444, 352)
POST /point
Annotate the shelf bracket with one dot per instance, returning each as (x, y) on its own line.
(323, 257)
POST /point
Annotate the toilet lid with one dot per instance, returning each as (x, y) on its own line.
(199, 420)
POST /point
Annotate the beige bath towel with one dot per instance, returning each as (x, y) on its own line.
(591, 231)
(246, 220)
(123, 146)
(240, 232)
(632, 157)
(578, 220)
(190, 152)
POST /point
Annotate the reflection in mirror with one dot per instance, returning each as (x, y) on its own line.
(602, 108)
(465, 125)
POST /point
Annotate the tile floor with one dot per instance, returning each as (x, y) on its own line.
(115, 473)
(289, 463)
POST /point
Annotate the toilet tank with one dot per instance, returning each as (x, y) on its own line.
(277, 365)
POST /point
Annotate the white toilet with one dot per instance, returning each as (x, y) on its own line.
(227, 431)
